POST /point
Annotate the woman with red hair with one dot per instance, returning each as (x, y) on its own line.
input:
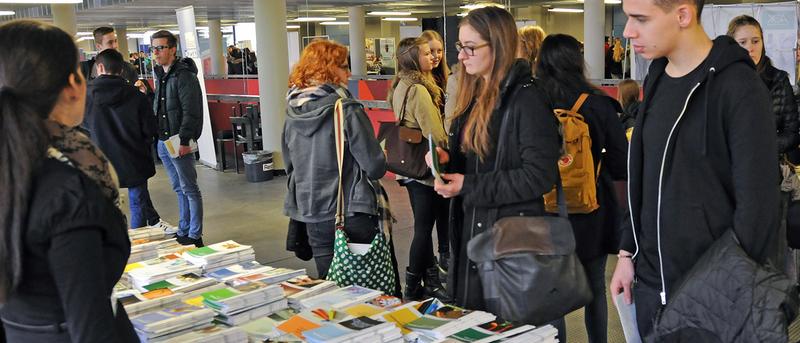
(317, 81)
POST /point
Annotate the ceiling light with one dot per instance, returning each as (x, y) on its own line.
(387, 13)
(471, 7)
(7, 13)
(83, 33)
(82, 39)
(464, 14)
(400, 19)
(41, 1)
(334, 23)
(292, 26)
(310, 19)
(565, 10)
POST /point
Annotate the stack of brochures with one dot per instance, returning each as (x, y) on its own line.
(171, 321)
(304, 287)
(340, 298)
(219, 255)
(146, 272)
(211, 333)
(182, 283)
(244, 300)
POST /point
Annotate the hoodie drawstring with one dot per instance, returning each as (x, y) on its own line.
(709, 80)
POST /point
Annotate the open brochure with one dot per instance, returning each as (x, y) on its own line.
(436, 168)
(174, 143)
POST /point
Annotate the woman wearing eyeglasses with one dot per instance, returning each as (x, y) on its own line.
(317, 81)
(493, 84)
(416, 101)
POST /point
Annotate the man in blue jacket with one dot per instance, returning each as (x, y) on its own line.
(120, 120)
(178, 105)
(702, 156)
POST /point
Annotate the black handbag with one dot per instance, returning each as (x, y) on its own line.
(527, 265)
(405, 147)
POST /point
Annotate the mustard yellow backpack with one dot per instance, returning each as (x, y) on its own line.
(576, 165)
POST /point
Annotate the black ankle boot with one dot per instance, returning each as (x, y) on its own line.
(433, 286)
(413, 289)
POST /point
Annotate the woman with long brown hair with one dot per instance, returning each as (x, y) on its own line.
(416, 101)
(493, 84)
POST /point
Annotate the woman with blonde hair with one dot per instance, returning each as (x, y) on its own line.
(441, 74)
(530, 43)
(317, 81)
(416, 100)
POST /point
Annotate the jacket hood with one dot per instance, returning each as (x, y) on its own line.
(308, 116)
(180, 64)
(519, 73)
(725, 52)
(108, 89)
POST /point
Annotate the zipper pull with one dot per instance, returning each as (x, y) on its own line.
(663, 298)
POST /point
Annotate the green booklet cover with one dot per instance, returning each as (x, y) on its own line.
(436, 168)
(159, 285)
(220, 294)
(426, 323)
(470, 335)
(200, 252)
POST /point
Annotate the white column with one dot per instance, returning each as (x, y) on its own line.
(215, 44)
(357, 41)
(594, 17)
(64, 17)
(273, 46)
(122, 40)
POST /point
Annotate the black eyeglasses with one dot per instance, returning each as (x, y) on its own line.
(161, 47)
(470, 50)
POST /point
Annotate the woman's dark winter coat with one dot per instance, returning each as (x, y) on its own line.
(783, 106)
(530, 170)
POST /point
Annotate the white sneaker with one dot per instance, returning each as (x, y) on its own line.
(168, 228)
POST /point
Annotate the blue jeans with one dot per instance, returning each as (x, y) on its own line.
(142, 211)
(183, 177)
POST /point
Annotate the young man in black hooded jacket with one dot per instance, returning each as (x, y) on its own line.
(701, 159)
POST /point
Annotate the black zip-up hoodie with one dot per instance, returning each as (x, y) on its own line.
(718, 172)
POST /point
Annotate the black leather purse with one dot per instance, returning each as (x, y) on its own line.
(528, 267)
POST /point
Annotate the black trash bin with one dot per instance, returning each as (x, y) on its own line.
(257, 165)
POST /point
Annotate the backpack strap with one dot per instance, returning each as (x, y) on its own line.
(579, 102)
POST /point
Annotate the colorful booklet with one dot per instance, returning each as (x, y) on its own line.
(216, 252)
(172, 319)
(136, 302)
(250, 314)
(302, 287)
(238, 270)
(241, 295)
(297, 325)
(340, 298)
(182, 283)
(275, 275)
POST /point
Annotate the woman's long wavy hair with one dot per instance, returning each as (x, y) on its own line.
(441, 72)
(35, 66)
(530, 42)
(496, 26)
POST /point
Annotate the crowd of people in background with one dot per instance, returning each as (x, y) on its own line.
(711, 164)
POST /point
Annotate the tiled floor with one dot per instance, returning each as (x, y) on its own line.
(251, 213)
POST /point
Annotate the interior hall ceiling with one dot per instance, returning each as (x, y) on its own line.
(142, 15)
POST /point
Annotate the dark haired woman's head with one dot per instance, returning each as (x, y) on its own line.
(487, 47)
(561, 67)
(39, 79)
(414, 54)
(747, 31)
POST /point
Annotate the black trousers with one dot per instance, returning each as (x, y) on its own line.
(360, 228)
(648, 302)
(429, 208)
